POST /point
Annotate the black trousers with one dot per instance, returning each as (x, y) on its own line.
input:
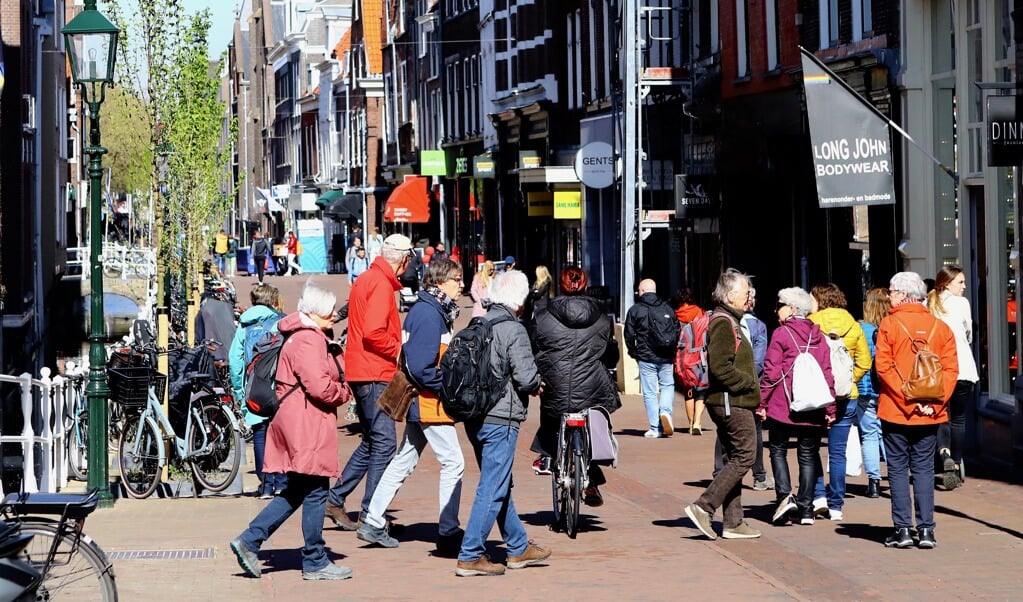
(808, 446)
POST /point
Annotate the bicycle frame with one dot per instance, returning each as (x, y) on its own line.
(575, 432)
(155, 414)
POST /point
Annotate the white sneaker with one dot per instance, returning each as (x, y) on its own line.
(652, 434)
(820, 507)
(666, 426)
(836, 515)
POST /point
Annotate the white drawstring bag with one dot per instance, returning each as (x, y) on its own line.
(853, 453)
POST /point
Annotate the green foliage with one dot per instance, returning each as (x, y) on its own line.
(163, 59)
(125, 135)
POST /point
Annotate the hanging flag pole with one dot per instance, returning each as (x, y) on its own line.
(951, 172)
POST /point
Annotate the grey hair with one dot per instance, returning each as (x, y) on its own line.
(798, 299)
(390, 254)
(910, 283)
(509, 289)
(729, 281)
(316, 301)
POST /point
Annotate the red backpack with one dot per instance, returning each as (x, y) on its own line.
(691, 367)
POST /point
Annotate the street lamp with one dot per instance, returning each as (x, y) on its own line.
(91, 41)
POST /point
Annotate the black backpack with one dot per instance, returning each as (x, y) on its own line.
(664, 329)
(469, 389)
(261, 376)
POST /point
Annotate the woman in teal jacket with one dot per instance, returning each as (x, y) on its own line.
(260, 318)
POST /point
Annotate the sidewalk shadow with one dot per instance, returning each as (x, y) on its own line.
(288, 559)
(630, 432)
(863, 531)
(958, 514)
(587, 522)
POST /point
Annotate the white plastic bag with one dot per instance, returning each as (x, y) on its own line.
(853, 453)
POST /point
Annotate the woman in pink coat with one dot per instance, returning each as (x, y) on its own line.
(302, 438)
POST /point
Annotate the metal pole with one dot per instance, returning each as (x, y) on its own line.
(97, 390)
(629, 179)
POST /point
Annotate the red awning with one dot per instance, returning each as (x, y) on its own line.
(409, 202)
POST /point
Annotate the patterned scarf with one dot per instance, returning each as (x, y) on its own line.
(446, 303)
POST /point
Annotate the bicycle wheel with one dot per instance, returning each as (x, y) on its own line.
(574, 494)
(217, 466)
(78, 443)
(79, 571)
(138, 456)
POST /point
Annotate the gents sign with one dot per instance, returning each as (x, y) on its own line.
(595, 165)
(852, 155)
(1004, 132)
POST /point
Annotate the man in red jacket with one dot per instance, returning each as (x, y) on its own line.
(374, 341)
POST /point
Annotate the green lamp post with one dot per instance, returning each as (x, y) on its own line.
(91, 41)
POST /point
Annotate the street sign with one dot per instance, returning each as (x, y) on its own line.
(595, 165)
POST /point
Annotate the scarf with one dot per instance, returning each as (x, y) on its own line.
(446, 303)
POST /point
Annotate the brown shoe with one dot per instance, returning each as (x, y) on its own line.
(341, 519)
(592, 497)
(534, 554)
(481, 567)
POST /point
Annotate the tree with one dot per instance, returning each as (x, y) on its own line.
(162, 59)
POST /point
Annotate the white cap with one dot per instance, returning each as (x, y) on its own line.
(399, 242)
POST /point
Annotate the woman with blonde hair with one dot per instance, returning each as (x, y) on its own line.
(875, 307)
(542, 290)
(948, 304)
(481, 287)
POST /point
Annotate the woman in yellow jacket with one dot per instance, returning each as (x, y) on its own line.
(834, 320)
(910, 427)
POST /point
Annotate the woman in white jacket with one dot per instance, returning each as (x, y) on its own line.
(948, 304)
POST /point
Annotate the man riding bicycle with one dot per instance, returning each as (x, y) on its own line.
(575, 349)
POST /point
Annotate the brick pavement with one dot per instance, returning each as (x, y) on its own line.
(636, 546)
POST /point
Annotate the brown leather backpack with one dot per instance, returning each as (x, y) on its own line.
(925, 384)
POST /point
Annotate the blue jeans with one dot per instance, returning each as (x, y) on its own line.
(370, 459)
(838, 439)
(652, 377)
(494, 446)
(870, 436)
(308, 491)
(272, 481)
(910, 453)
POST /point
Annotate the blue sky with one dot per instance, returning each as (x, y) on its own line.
(222, 23)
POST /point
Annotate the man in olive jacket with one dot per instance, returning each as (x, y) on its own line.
(734, 395)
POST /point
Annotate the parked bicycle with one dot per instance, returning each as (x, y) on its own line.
(210, 446)
(71, 565)
(583, 437)
(76, 422)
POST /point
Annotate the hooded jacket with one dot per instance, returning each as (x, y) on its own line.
(839, 321)
(511, 360)
(575, 349)
(302, 436)
(637, 330)
(895, 357)
(788, 341)
(236, 354)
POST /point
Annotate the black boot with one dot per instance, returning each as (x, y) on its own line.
(927, 540)
(900, 538)
(874, 488)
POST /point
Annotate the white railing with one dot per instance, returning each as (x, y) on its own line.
(47, 402)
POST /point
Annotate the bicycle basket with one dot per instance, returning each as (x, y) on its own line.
(129, 385)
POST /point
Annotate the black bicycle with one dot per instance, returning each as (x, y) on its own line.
(72, 565)
(583, 437)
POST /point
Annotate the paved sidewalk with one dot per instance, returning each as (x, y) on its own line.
(636, 546)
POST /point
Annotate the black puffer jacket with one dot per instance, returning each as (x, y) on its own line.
(575, 348)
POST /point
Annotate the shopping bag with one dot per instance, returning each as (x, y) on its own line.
(853, 453)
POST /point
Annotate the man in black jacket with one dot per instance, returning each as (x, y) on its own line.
(654, 357)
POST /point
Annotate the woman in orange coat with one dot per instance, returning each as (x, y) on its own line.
(686, 310)
(910, 427)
